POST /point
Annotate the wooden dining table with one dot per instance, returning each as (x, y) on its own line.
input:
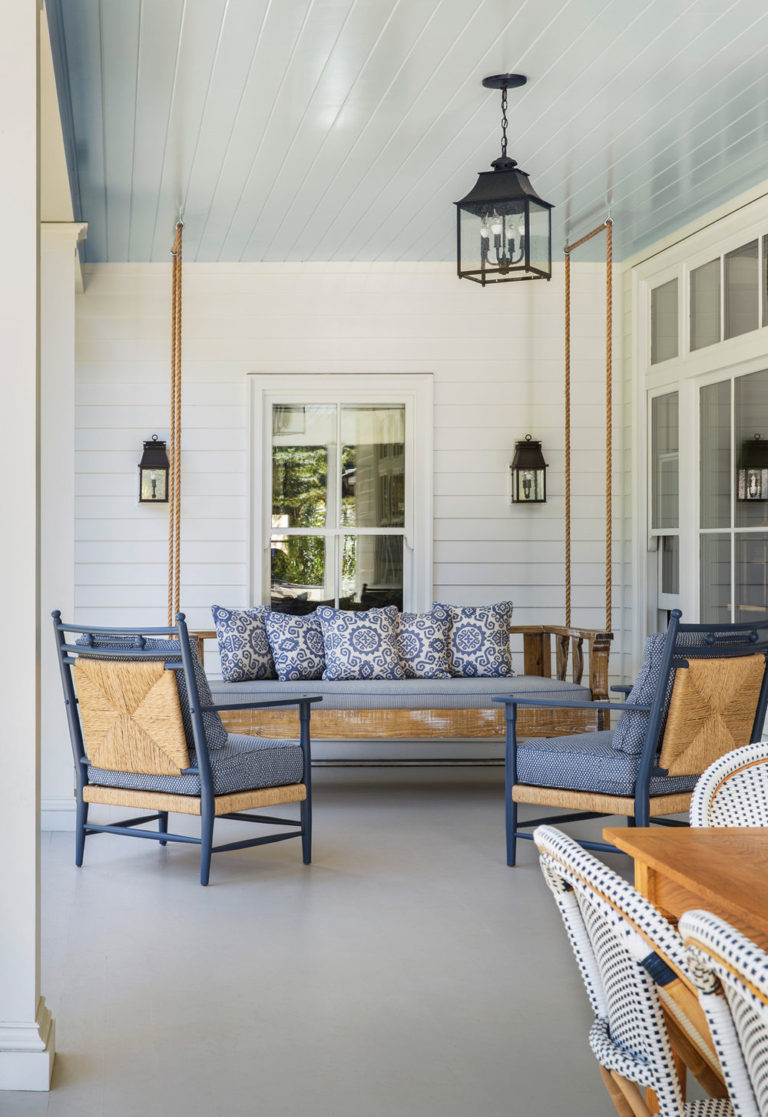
(724, 871)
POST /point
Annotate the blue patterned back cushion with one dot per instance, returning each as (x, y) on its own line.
(243, 643)
(297, 645)
(360, 645)
(479, 640)
(423, 644)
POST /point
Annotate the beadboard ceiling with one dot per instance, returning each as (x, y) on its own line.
(294, 130)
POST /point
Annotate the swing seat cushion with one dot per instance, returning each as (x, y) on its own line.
(587, 762)
(243, 764)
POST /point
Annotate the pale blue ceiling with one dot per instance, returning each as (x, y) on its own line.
(345, 129)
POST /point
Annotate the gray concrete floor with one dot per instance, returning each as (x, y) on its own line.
(406, 973)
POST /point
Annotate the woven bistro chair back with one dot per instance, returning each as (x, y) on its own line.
(734, 790)
(626, 952)
(711, 711)
(731, 975)
(130, 716)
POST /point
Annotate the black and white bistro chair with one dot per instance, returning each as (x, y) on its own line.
(147, 735)
(734, 790)
(629, 957)
(731, 975)
(702, 691)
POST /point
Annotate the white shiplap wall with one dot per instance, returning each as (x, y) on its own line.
(497, 360)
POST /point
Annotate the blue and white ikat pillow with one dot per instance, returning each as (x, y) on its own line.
(297, 645)
(360, 645)
(478, 645)
(422, 641)
(243, 643)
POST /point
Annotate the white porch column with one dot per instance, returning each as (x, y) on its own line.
(59, 273)
(26, 1028)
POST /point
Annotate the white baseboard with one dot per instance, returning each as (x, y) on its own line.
(57, 813)
(27, 1052)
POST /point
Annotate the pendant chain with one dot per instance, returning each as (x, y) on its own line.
(504, 122)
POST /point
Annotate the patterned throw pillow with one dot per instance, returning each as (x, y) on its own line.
(297, 645)
(479, 640)
(360, 645)
(629, 734)
(422, 641)
(243, 643)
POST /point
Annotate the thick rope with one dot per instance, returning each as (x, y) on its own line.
(608, 226)
(608, 422)
(567, 439)
(174, 493)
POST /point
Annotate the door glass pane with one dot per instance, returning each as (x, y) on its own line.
(751, 418)
(664, 461)
(715, 468)
(373, 466)
(302, 572)
(664, 322)
(764, 282)
(705, 305)
(741, 290)
(751, 576)
(715, 578)
(372, 571)
(670, 564)
(303, 456)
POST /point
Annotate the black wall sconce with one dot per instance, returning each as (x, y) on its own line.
(752, 473)
(503, 227)
(529, 473)
(153, 473)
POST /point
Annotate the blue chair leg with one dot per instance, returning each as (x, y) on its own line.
(162, 825)
(206, 844)
(80, 823)
(306, 831)
(511, 828)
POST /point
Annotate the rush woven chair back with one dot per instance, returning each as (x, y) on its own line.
(731, 975)
(734, 790)
(702, 691)
(627, 953)
(146, 734)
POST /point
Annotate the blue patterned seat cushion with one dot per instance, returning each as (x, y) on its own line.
(360, 645)
(422, 641)
(479, 639)
(243, 643)
(215, 733)
(297, 645)
(244, 764)
(587, 762)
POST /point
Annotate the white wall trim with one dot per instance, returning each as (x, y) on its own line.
(27, 1051)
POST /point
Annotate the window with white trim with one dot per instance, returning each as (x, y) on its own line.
(338, 516)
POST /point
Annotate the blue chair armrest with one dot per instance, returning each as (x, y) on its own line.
(559, 703)
(263, 705)
(622, 688)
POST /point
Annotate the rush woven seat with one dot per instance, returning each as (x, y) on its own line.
(628, 955)
(731, 975)
(702, 691)
(734, 790)
(146, 734)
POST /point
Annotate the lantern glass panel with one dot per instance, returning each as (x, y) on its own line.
(154, 484)
(539, 247)
(493, 239)
(529, 485)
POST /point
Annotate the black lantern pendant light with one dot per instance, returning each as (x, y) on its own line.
(752, 473)
(529, 473)
(503, 227)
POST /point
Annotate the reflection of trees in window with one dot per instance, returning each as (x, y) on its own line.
(299, 480)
